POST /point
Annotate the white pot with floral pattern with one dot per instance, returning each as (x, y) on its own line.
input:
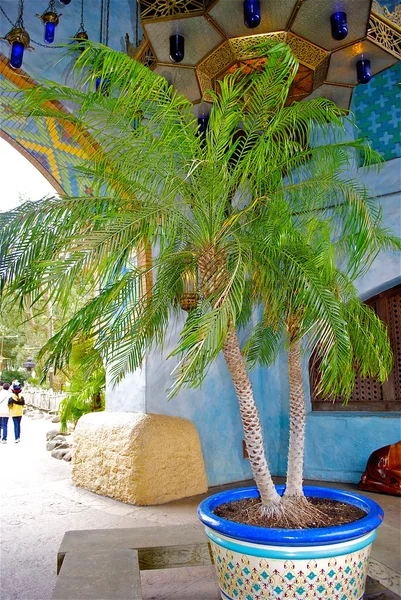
(256, 563)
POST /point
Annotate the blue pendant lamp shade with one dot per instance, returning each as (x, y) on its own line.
(339, 25)
(252, 13)
(203, 121)
(177, 46)
(17, 55)
(18, 38)
(50, 30)
(65, 2)
(363, 70)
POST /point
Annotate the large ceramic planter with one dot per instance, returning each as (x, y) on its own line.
(325, 564)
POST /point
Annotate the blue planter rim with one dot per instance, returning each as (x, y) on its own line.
(291, 537)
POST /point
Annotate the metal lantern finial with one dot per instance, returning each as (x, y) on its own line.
(29, 364)
(51, 19)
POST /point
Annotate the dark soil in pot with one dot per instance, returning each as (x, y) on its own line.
(331, 513)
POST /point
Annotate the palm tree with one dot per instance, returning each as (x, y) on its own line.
(298, 324)
(226, 209)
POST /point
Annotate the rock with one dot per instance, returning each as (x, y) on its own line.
(51, 446)
(59, 438)
(52, 433)
(63, 445)
(59, 453)
(67, 456)
(56, 419)
(138, 458)
(56, 445)
(38, 416)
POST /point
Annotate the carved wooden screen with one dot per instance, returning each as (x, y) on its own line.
(368, 394)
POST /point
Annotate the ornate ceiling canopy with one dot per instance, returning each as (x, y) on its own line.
(218, 41)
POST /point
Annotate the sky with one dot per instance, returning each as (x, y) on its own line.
(19, 178)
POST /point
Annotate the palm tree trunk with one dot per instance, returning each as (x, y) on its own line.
(297, 424)
(250, 420)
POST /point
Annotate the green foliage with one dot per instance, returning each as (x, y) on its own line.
(87, 384)
(260, 208)
(9, 374)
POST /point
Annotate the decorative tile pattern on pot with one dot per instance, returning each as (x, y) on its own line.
(252, 578)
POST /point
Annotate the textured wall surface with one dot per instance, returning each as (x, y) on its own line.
(137, 458)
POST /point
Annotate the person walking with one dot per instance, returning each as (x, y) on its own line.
(16, 403)
(4, 411)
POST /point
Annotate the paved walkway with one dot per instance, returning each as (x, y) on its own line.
(39, 503)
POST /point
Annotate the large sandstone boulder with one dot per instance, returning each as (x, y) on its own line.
(138, 458)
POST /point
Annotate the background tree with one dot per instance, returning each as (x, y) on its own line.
(87, 382)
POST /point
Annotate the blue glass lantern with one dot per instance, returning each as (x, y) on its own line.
(50, 30)
(203, 121)
(363, 70)
(252, 13)
(51, 20)
(81, 37)
(177, 47)
(339, 25)
(18, 39)
(17, 55)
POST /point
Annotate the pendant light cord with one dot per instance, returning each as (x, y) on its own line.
(101, 21)
(137, 24)
(20, 20)
(104, 22)
(82, 24)
(51, 7)
(107, 21)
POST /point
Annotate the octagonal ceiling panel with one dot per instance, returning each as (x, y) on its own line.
(312, 21)
(342, 67)
(339, 94)
(200, 38)
(229, 16)
(184, 80)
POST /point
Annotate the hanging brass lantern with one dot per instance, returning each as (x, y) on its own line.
(19, 40)
(189, 298)
(50, 19)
